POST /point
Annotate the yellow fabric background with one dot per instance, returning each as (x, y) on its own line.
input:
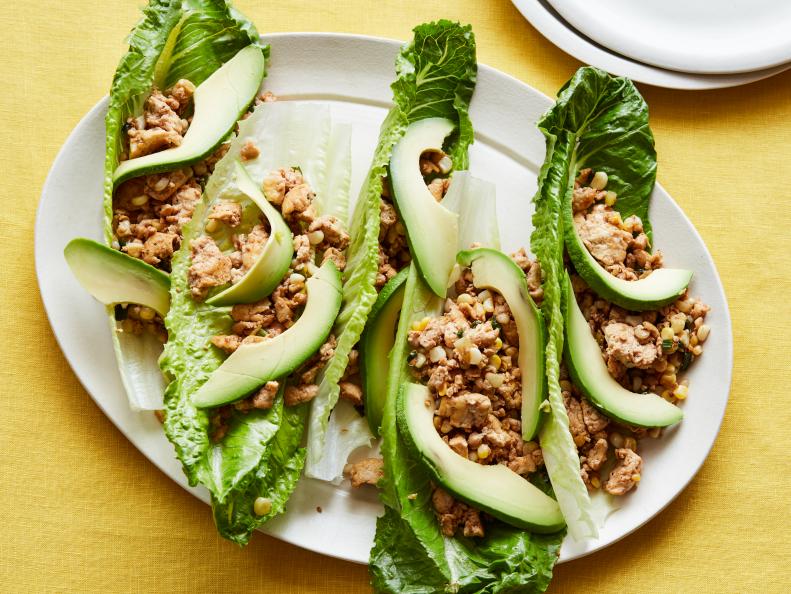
(83, 511)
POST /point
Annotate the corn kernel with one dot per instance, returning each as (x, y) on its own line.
(139, 200)
(667, 333)
(631, 443)
(703, 332)
(262, 506)
(483, 451)
(610, 198)
(681, 392)
(599, 181)
(595, 482)
(495, 379)
(212, 226)
(495, 362)
(636, 478)
(316, 237)
(147, 314)
(498, 344)
(464, 298)
(474, 355)
(420, 325)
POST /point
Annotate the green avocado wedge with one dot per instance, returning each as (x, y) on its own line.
(590, 374)
(375, 345)
(113, 277)
(272, 263)
(432, 230)
(659, 288)
(492, 269)
(252, 365)
(494, 488)
(219, 102)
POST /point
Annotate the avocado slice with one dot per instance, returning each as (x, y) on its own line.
(272, 263)
(495, 489)
(432, 230)
(219, 102)
(252, 365)
(659, 288)
(589, 372)
(492, 269)
(113, 277)
(375, 345)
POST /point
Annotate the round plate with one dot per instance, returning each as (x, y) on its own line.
(703, 36)
(552, 26)
(508, 149)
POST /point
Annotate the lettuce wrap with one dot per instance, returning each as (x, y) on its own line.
(175, 39)
(410, 553)
(260, 455)
(598, 121)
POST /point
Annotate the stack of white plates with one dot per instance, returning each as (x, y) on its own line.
(679, 44)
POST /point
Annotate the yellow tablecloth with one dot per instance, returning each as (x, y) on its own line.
(84, 511)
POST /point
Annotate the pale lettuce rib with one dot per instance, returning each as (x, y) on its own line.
(138, 357)
(325, 455)
(560, 453)
(474, 200)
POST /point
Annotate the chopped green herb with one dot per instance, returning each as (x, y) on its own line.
(460, 332)
(411, 355)
(495, 324)
(686, 359)
(667, 344)
(475, 323)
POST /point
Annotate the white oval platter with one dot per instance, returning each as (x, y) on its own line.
(353, 74)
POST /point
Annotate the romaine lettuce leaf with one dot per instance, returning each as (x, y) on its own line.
(435, 77)
(260, 454)
(601, 122)
(607, 121)
(275, 478)
(174, 39)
